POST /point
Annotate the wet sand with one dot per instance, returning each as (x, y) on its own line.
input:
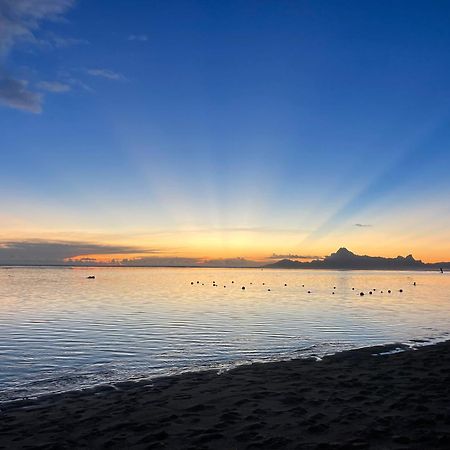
(350, 400)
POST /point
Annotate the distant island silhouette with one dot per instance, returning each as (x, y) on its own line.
(345, 259)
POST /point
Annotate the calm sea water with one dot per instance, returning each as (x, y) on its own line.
(60, 330)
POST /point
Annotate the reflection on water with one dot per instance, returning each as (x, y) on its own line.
(60, 330)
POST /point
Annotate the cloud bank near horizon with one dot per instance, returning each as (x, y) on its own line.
(71, 253)
(37, 252)
(58, 252)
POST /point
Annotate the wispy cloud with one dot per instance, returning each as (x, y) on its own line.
(53, 86)
(73, 81)
(363, 225)
(20, 20)
(63, 42)
(106, 73)
(138, 37)
(15, 94)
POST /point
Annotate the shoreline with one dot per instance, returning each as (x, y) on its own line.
(350, 399)
(220, 369)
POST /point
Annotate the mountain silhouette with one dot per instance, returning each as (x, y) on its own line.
(345, 259)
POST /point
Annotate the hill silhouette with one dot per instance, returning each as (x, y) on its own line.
(345, 259)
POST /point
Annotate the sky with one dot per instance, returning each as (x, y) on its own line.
(180, 132)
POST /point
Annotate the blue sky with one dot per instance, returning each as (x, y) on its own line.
(226, 129)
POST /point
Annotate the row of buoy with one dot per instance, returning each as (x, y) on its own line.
(381, 292)
(309, 292)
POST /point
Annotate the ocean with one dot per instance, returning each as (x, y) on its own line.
(61, 331)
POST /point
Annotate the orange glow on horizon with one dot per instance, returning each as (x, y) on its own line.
(255, 244)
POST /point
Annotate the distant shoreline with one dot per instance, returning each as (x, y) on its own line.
(342, 259)
(72, 266)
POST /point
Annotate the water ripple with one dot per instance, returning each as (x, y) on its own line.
(59, 332)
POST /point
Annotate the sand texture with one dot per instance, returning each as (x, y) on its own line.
(352, 400)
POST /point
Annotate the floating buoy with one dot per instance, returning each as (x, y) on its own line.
(389, 291)
(400, 290)
(309, 292)
(243, 288)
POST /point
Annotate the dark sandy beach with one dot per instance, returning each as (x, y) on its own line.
(349, 400)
